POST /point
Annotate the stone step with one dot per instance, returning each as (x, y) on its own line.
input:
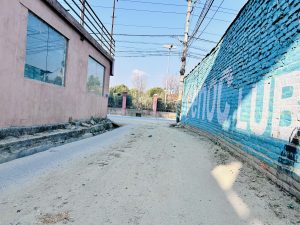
(16, 147)
(20, 131)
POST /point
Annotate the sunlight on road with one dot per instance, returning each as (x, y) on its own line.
(225, 176)
(238, 204)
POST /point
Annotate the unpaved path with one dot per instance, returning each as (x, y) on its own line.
(149, 175)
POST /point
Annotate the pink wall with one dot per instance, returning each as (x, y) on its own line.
(29, 102)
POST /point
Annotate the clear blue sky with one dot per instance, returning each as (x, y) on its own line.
(134, 17)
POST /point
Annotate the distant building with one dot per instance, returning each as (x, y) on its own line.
(52, 67)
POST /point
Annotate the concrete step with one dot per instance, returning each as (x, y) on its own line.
(20, 131)
(12, 147)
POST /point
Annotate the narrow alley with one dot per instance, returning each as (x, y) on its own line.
(143, 173)
(149, 112)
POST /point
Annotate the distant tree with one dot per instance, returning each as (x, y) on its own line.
(134, 96)
(133, 92)
(139, 80)
(139, 83)
(156, 90)
(116, 97)
(171, 84)
(119, 89)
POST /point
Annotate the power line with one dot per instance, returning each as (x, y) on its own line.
(152, 11)
(154, 55)
(200, 49)
(132, 52)
(147, 26)
(202, 16)
(146, 53)
(137, 52)
(133, 9)
(131, 48)
(210, 19)
(151, 50)
(124, 47)
(158, 49)
(156, 27)
(149, 35)
(139, 10)
(140, 42)
(159, 35)
(171, 4)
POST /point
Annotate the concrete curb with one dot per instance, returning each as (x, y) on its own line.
(281, 179)
(30, 140)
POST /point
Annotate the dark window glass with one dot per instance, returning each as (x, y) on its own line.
(45, 52)
(95, 77)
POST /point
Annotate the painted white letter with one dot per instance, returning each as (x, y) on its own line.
(260, 127)
(210, 112)
(202, 95)
(195, 105)
(222, 116)
(289, 104)
(239, 123)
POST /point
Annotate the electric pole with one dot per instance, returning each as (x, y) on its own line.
(112, 24)
(170, 47)
(82, 12)
(183, 58)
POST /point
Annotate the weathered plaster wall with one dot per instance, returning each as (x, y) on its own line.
(29, 102)
(247, 90)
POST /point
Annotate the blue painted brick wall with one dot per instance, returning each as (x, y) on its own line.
(247, 90)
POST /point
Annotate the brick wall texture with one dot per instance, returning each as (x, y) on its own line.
(247, 90)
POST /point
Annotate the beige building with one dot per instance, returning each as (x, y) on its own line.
(51, 67)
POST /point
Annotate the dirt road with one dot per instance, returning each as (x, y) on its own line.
(147, 174)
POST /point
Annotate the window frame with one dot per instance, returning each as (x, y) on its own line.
(66, 51)
(103, 79)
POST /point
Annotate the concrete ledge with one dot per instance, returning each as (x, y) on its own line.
(23, 141)
(282, 179)
(19, 131)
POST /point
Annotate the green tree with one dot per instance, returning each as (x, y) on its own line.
(133, 92)
(119, 89)
(116, 97)
(156, 90)
(135, 97)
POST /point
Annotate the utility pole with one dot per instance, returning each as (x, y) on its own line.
(185, 44)
(168, 69)
(82, 12)
(112, 24)
(170, 47)
(183, 58)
